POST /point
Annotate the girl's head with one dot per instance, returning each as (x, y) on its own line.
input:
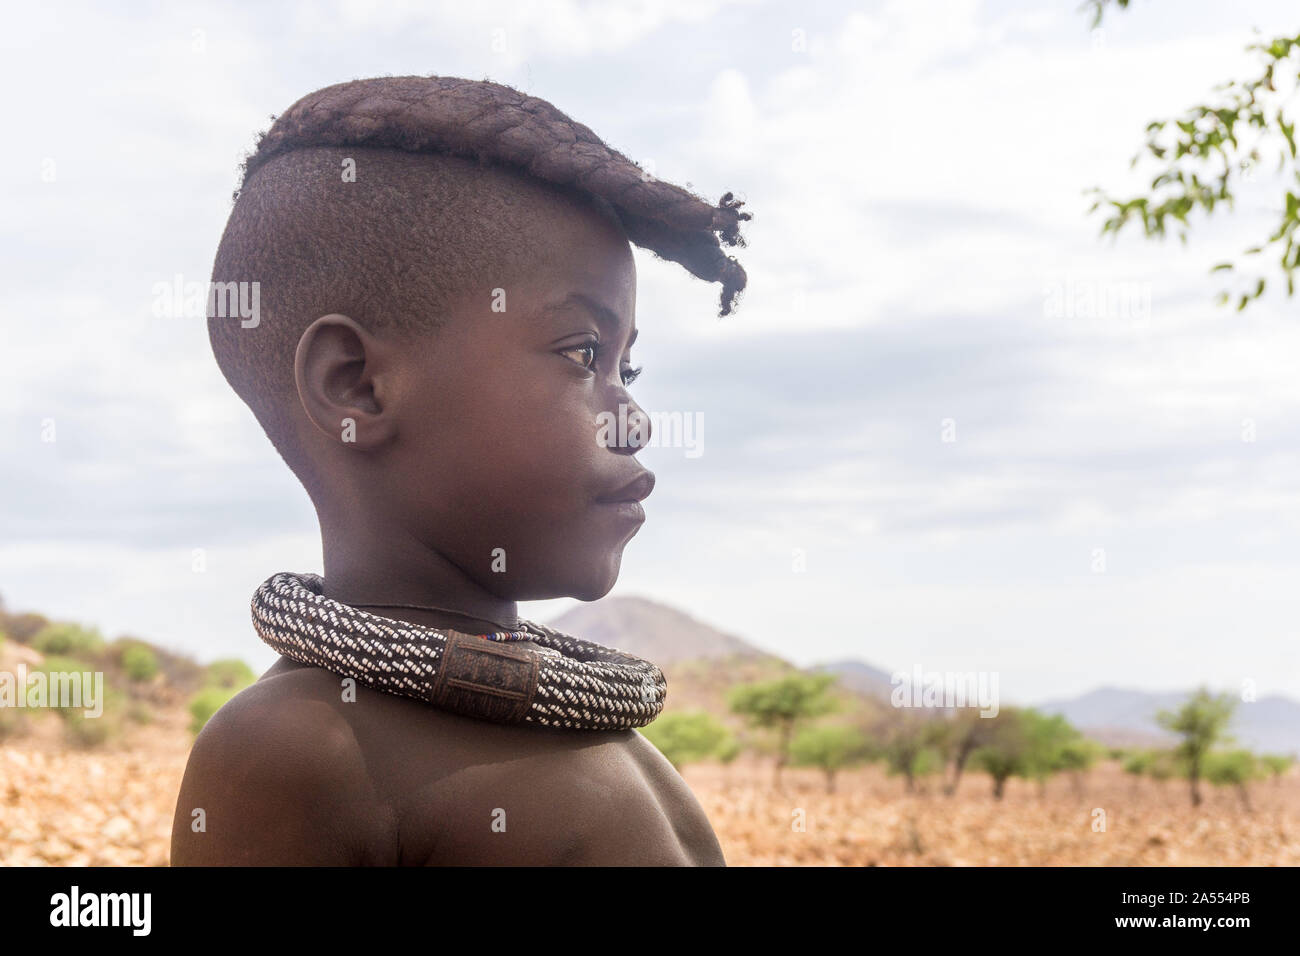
(447, 301)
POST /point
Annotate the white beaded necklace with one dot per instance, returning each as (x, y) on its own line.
(564, 681)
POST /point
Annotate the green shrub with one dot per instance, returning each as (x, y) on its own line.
(1236, 767)
(685, 736)
(230, 673)
(66, 646)
(1164, 764)
(66, 638)
(55, 665)
(62, 663)
(829, 747)
(1276, 764)
(728, 750)
(1138, 762)
(89, 732)
(139, 662)
(79, 729)
(206, 703)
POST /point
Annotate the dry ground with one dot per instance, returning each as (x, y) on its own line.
(870, 820)
(115, 808)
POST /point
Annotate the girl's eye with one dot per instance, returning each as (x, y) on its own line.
(589, 353)
(583, 348)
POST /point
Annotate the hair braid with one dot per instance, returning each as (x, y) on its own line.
(494, 123)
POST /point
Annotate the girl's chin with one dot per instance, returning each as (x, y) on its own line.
(600, 582)
(590, 582)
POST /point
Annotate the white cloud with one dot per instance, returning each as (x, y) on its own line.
(916, 178)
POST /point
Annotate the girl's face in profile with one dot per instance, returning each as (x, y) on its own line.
(501, 463)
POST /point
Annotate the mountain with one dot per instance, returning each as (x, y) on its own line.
(1268, 725)
(1120, 717)
(861, 677)
(661, 634)
(701, 663)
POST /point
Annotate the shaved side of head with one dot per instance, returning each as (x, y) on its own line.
(393, 239)
(398, 200)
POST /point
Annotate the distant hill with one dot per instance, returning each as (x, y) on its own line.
(861, 677)
(700, 662)
(1268, 725)
(660, 634)
(1123, 718)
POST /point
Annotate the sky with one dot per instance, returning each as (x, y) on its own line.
(912, 453)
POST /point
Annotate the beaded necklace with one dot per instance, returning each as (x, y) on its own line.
(554, 680)
(503, 635)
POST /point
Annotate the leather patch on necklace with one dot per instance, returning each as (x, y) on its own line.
(485, 679)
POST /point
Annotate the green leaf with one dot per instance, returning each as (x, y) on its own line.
(1288, 130)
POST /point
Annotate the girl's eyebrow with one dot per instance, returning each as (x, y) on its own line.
(604, 315)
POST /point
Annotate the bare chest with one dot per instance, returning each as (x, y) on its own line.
(516, 796)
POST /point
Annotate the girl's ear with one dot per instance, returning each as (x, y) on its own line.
(340, 375)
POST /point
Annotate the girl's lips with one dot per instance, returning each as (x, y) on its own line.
(633, 491)
(626, 510)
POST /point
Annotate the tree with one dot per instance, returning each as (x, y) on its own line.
(1202, 722)
(1046, 738)
(728, 750)
(1136, 764)
(1202, 155)
(686, 736)
(727, 753)
(961, 735)
(1076, 757)
(780, 704)
(1159, 765)
(927, 763)
(1162, 766)
(1099, 9)
(830, 748)
(910, 741)
(1233, 768)
(1276, 765)
(1005, 752)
